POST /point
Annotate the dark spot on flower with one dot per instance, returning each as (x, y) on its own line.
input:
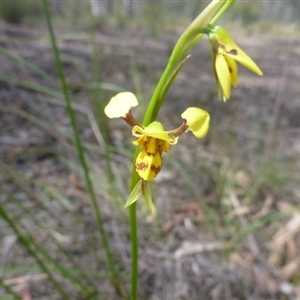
(150, 153)
(155, 169)
(221, 44)
(233, 52)
(143, 146)
(230, 70)
(141, 166)
(159, 148)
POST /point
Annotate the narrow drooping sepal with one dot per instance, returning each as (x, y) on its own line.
(142, 189)
(146, 190)
(135, 194)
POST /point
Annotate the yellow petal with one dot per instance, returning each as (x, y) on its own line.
(223, 75)
(239, 55)
(164, 146)
(155, 130)
(213, 58)
(233, 70)
(151, 146)
(140, 141)
(149, 162)
(197, 121)
(120, 105)
(231, 49)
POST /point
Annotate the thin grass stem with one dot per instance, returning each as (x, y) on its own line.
(102, 120)
(26, 63)
(114, 276)
(25, 242)
(60, 249)
(9, 290)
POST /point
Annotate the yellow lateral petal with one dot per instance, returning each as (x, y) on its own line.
(197, 121)
(120, 105)
(140, 141)
(233, 70)
(213, 58)
(164, 146)
(151, 146)
(223, 75)
(239, 55)
(230, 48)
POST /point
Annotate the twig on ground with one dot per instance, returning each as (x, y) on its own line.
(285, 287)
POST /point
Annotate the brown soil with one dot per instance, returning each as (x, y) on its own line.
(245, 170)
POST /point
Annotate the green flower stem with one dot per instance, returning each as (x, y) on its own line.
(221, 11)
(134, 233)
(148, 118)
(178, 52)
(151, 114)
(212, 22)
(103, 236)
(134, 251)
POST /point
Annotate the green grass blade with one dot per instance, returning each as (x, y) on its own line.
(26, 63)
(32, 86)
(27, 244)
(9, 290)
(104, 239)
(100, 105)
(59, 248)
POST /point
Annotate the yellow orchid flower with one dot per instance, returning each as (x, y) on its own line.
(224, 54)
(153, 139)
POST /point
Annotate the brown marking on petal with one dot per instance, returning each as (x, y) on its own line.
(141, 166)
(230, 70)
(159, 148)
(149, 154)
(155, 169)
(144, 145)
(232, 52)
(221, 44)
(143, 186)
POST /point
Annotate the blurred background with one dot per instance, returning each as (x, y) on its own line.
(227, 224)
